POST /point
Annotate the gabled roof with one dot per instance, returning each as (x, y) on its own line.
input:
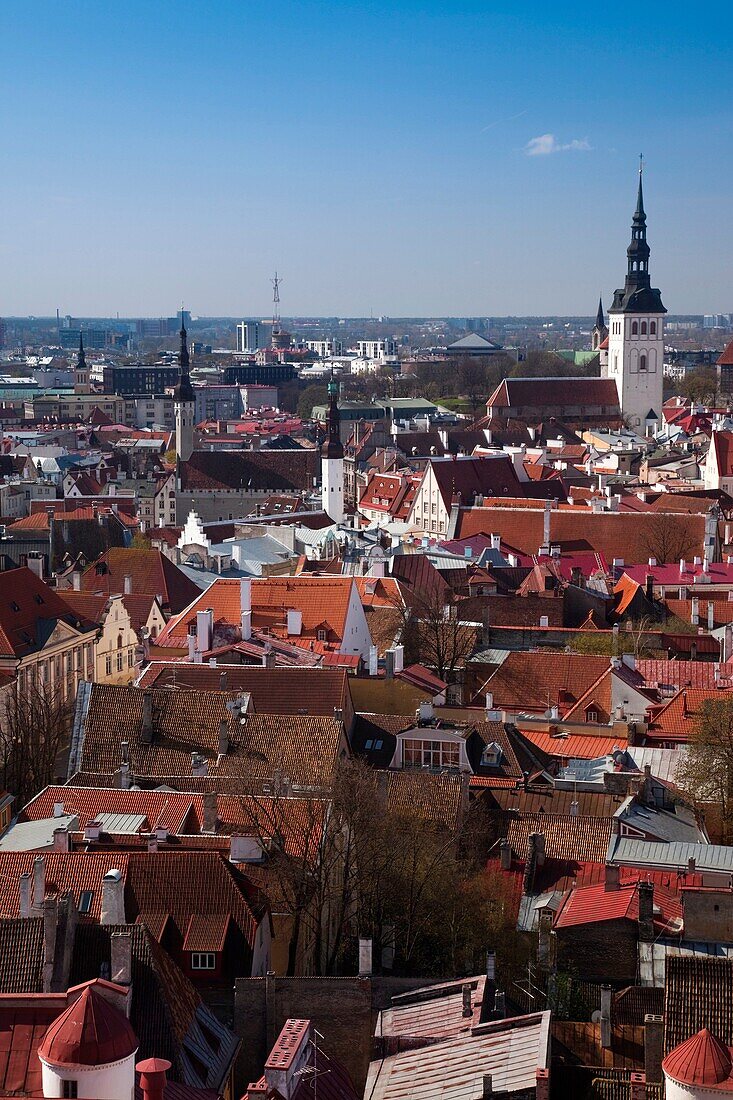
(535, 681)
(600, 902)
(29, 611)
(538, 392)
(250, 471)
(152, 573)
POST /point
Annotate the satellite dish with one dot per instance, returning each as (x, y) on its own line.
(596, 1017)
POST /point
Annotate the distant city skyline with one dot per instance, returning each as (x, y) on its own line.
(403, 159)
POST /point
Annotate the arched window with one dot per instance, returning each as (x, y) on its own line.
(642, 362)
(653, 328)
(643, 328)
(634, 329)
(119, 641)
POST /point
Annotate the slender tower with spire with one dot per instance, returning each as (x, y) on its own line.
(600, 329)
(636, 332)
(332, 459)
(81, 371)
(184, 401)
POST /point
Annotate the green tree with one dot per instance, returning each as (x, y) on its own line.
(315, 394)
(706, 771)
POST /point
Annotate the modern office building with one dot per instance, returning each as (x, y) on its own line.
(249, 336)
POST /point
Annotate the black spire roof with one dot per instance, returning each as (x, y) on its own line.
(81, 359)
(183, 390)
(332, 445)
(600, 316)
(638, 295)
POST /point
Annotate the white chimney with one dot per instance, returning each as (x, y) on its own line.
(245, 607)
(204, 629)
(694, 610)
(127, 582)
(365, 957)
(113, 898)
(191, 639)
(546, 523)
(711, 615)
(683, 565)
(58, 809)
(295, 622)
(373, 660)
(399, 658)
(39, 882)
(25, 895)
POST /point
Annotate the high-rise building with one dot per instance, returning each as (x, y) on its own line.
(636, 332)
(248, 336)
(2, 333)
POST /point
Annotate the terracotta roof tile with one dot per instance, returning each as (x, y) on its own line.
(152, 575)
(29, 609)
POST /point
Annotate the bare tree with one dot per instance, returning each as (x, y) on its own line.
(706, 772)
(668, 537)
(434, 634)
(35, 726)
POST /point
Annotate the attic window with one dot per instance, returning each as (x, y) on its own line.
(85, 901)
(14, 606)
(39, 598)
(491, 756)
(321, 635)
(591, 716)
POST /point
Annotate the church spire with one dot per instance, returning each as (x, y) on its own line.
(600, 316)
(81, 360)
(639, 212)
(332, 445)
(183, 390)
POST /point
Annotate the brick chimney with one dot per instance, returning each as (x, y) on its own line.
(121, 958)
(606, 995)
(638, 1086)
(113, 898)
(146, 729)
(646, 911)
(542, 1087)
(653, 1047)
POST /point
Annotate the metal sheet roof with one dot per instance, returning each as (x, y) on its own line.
(510, 1050)
(122, 823)
(653, 957)
(27, 836)
(656, 853)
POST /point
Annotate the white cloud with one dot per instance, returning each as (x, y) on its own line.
(546, 144)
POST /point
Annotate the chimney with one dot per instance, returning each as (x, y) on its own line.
(546, 517)
(113, 898)
(653, 1049)
(542, 1086)
(223, 737)
(694, 611)
(146, 731)
(389, 664)
(222, 681)
(50, 927)
(683, 566)
(505, 854)
(210, 815)
(638, 1086)
(646, 912)
(691, 865)
(499, 1005)
(650, 587)
(467, 992)
(606, 994)
(39, 882)
(365, 957)
(613, 874)
(728, 642)
(711, 615)
(245, 608)
(204, 630)
(199, 765)
(58, 809)
(61, 840)
(544, 942)
(121, 958)
(489, 1005)
(76, 581)
(127, 584)
(487, 1087)
(191, 641)
(152, 1077)
(25, 895)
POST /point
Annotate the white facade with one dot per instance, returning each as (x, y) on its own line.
(114, 1081)
(325, 348)
(636, 364)
(332, 488)
(376, 349)
(429, 513)
(185, 416)
(357, 638)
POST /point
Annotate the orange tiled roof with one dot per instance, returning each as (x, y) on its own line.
(535, 681)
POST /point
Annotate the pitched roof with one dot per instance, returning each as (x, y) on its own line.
(725, 359)
(151, 572)
(489, 476)
(702, 1061)
(273, 690)
(584, 839)
(698, 994)
(29, 611)
(305, 748)
(537, 392)
(250, 471)
(535, 681)
(679, 717)
(322, 601)
(599, 902)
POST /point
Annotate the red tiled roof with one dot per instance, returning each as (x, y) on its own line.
(536, 392)
(206, 932)
(74, 871)
(725, 359)
(323, 602)
(27, 606)
(249, 471)
(171, 809)
(91, 1032)
(576, 745)
(698, 674)
(678, 719)
(592, 904)
(535, 681)
(152, 574)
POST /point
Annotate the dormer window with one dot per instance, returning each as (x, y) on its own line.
(491, 756)
(591, 715)
(321, 634)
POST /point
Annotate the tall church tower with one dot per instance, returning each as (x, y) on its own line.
(636, 333)
(81, 371)
(332, 459)
(600, 329)
(184, 401)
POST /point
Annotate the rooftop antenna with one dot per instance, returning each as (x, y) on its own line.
(276, 303)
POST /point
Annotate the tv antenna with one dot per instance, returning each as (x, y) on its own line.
(276, 302)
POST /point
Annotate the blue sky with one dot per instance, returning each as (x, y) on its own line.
(401, 158)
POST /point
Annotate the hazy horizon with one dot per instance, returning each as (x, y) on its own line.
(403, 159)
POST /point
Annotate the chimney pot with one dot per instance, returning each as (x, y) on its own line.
(467, 1000)
(153, 1077)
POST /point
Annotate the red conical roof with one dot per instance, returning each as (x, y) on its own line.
(91, 1032)
(701, 1060)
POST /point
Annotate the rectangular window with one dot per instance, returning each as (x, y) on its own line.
(131, 659)
(85, 901)
(108, 666)
(71, 1089)
(430, 754)
(120, 657)
(203, 960)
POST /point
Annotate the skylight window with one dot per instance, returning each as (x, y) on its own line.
(85, 901)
